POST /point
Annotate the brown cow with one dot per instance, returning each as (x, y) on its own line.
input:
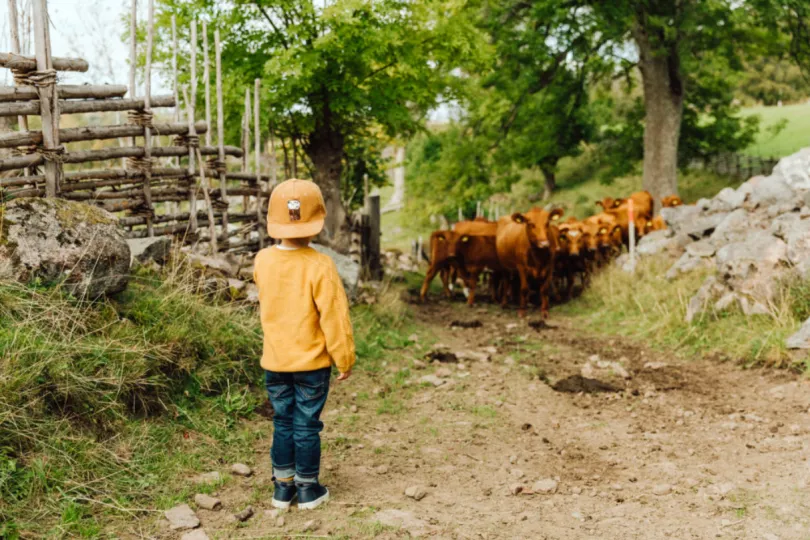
(479, 227)
(474, 255)
(604, 237)
(642, 210)
(671, 201)
(442, 260)
(572, 259)
(656, 224)
(527, 244)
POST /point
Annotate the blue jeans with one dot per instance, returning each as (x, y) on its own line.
(298, 399)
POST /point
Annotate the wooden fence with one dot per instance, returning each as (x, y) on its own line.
(185, 188)
(739, 166)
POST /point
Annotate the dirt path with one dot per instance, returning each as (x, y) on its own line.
(684, 450)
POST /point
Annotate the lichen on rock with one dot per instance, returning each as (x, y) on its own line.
(60, 241)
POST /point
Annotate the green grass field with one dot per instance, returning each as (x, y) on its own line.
(794, 136)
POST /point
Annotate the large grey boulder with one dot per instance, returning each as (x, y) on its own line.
(63, 241)
(702, 248)
(686, 263)
(801, 339)
(654, 243)
(348, 270)
(795, 170)
(703, 226)
(733, 227)
(751, 266)
(708, 292)
(771, 191)
(155, 249)
(679, 217)
(726, 200)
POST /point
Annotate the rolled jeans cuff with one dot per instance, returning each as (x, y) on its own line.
(284, 472)
(306, 479)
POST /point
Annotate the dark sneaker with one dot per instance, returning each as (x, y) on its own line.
(311, 495)
(283, 494)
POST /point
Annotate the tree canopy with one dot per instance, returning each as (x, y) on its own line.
(339, 77)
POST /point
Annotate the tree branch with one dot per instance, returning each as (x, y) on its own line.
(275, 28)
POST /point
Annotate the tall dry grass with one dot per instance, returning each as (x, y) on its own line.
(94, 395)
(649, 307)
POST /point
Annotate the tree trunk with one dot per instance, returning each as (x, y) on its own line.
(551, 181)
(325, 150)
(663, 103)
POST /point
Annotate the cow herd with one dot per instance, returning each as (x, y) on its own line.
(536, 255)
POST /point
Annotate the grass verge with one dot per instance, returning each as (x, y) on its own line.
(107, 408)
(648, 307)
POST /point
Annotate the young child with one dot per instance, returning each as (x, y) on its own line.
(305, 319)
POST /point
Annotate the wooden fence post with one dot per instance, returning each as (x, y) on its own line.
(246, 146)
(223, 182)
(22, 120)
(257, 148)
(193, 140)
(207, 77)
(49, 108)
(147, 122)
(374, 263)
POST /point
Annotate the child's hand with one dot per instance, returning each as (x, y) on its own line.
(344, 376)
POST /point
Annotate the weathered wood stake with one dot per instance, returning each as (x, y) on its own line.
(257, 162)
(22, 120)
(147, 109)
(223, 182)
(49, 103)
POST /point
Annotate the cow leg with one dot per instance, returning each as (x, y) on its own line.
(544, 286)
(445, 277)
(495, 286)
(431, 273)
(502, 292)
(472, 283)
(524, 292)
(570, 276)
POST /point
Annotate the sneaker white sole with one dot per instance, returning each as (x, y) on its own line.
(314, 504)
(280, 504)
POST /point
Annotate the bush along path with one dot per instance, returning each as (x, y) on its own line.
(472, 424)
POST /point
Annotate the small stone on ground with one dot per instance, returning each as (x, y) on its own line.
(547, 485)
(240, 469)
(196, 534)
(207, 502)
(182, 517)
(416, 492)
(245, 514)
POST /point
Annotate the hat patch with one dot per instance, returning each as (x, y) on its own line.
(294, 206)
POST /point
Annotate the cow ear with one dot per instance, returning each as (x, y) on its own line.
(600, 203)
(556, 214)
(517, 217)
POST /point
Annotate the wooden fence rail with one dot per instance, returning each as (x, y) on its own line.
(741, 166)
(160, 185)
(154, 190)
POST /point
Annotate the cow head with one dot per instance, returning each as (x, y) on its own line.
(443, 245)
(573, 239)
(609, 203)
(671, 201)
(541, 227)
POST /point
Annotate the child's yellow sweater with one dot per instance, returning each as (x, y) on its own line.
(304, 310)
